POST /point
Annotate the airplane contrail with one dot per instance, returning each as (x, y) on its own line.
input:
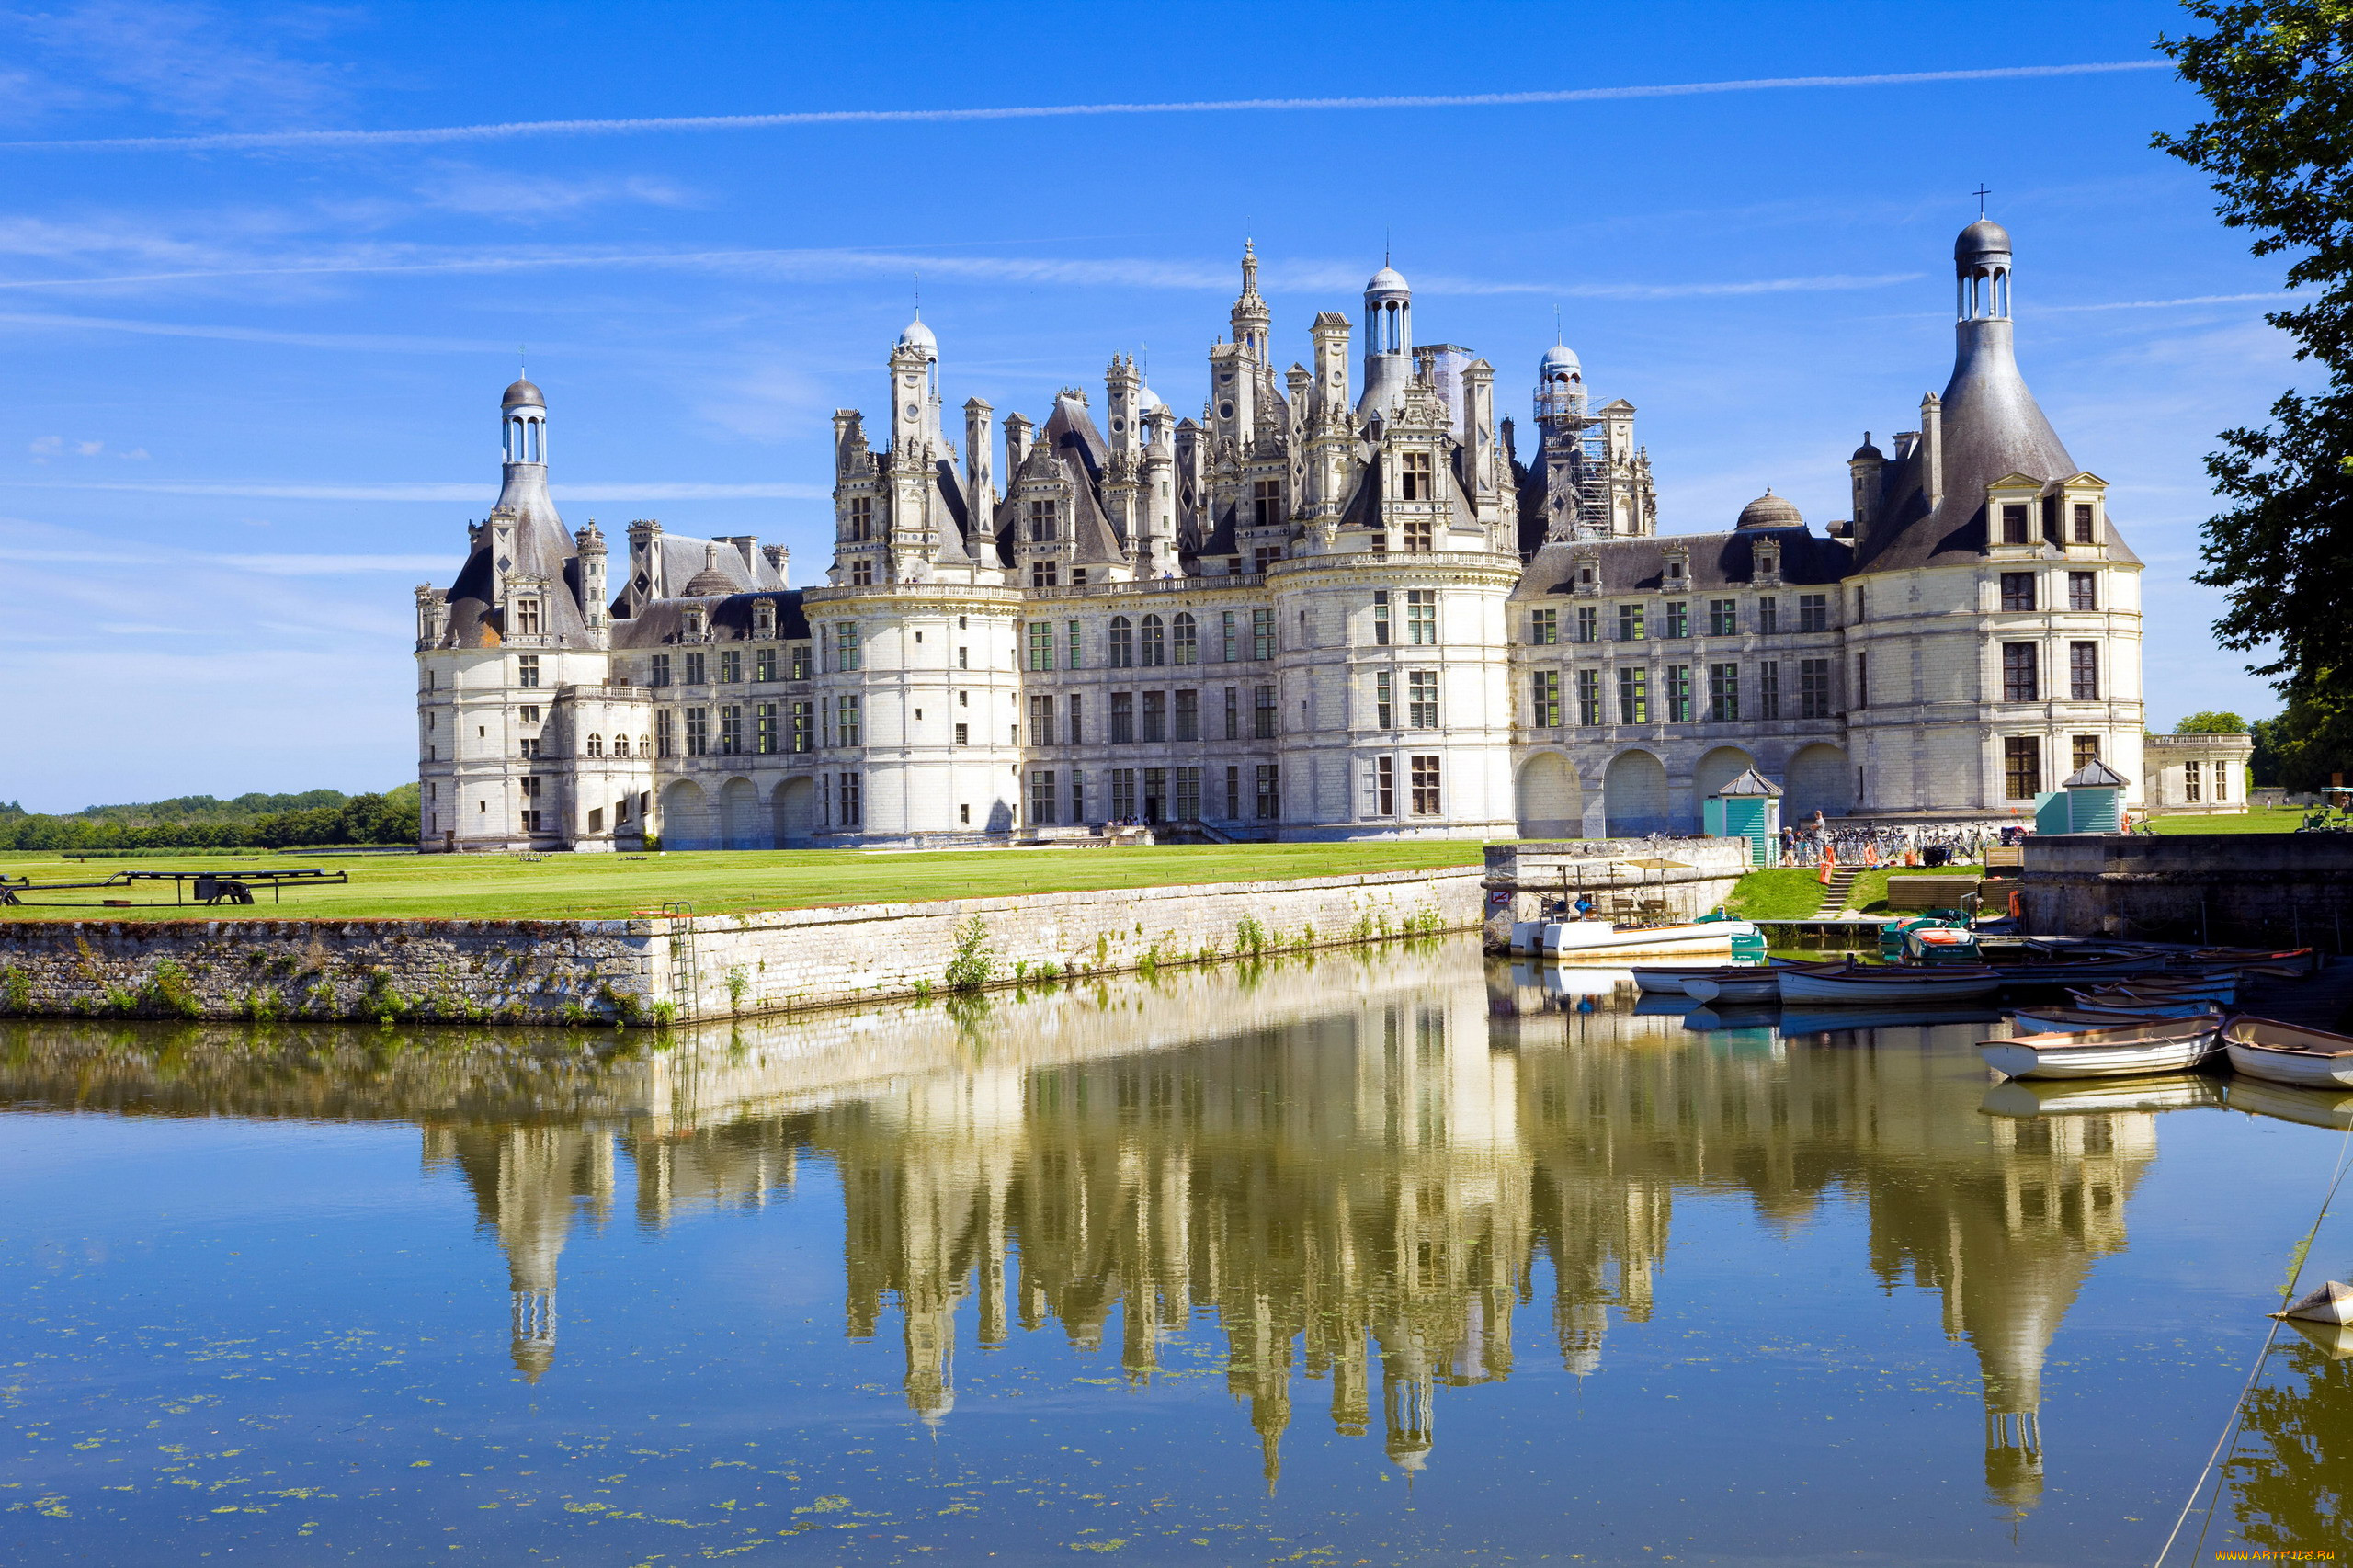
(428, 135)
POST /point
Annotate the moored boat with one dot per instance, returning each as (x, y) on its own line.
(1734, 985)
(2158, 1045)
(1875, 985)
(1563, 938)
(2068, 974)
(2298, 961)
(2288, 1053)
(2222, 988)
(2331, 1303)
(2074, 1020)
(2141, 1006)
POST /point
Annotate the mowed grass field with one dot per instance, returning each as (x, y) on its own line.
(2284, 818)
(717, 882)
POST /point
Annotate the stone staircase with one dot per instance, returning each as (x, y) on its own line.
(1840, 886)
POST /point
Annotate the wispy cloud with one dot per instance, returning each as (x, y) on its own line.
(2170, 304)
(484, 492)
(423, 136)
(181, 60)
(366, 342)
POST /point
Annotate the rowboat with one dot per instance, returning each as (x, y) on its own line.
(2060, 1096)
(2331, 1303)
(1722, 987)
(2222, 988)
(2071, 972)
(2285, 1053)
(1564, 939)
(1892, 1013)
(2140, 1006)
(2074, 1020)
(1667, 979)
(2299, 961)
(2159, 1045)
(1878, 985)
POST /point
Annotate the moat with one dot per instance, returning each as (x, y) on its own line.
(1386, 1254)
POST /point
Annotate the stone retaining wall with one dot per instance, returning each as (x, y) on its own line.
(711, 966)
(2278, 889)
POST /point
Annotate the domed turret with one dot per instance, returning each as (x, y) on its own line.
(522, 394)
(1387, 283)
(1388, 342)
(917, 336)
(1560, 357)
(1981, 265)
(1770, 511)
(710, 579)
(1980, 242)
(1867, 454)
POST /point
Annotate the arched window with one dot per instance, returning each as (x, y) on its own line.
(1123, 644)
(596, 745)
(644, 745)
(1186, 638)
(1155, 643)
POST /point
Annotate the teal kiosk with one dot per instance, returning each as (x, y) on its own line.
(1749, 807)
(2091, 800)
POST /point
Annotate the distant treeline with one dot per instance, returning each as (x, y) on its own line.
(201, 821)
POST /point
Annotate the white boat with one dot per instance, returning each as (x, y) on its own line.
(1578, 938)
(2332, 1303)
(1667, 979)
(2159, 1045)
(2074, 1020)
(1878, 985)
(2223, 988)
(2180, 1091)
(2284, 1054)
(1734, 984)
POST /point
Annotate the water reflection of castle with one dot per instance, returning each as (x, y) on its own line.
(1358, 1189)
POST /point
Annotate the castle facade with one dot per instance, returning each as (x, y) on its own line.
(1337, 604)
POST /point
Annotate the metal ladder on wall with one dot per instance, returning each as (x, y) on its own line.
(686, 991)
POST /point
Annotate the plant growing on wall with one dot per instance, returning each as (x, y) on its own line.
(974, 961)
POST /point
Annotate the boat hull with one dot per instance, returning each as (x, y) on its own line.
(1579, 938)
(2284, 1054)
(1846, 989)
(2103, 1053)
(1723, 991)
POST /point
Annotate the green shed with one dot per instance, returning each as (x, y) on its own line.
(2094, 799)
(1749, 807)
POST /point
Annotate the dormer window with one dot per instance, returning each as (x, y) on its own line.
(694, 625)
(764, 619)
(2015, 523)
(1675, 573)
(527, 618)
(2082, 525)
(1041, 522)
(1415, 479)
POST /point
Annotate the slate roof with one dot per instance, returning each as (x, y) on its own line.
(1717, 561)
(728, 615)
(542, 549)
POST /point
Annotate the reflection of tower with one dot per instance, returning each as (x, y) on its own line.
(1408, 1403)
(527, 1182)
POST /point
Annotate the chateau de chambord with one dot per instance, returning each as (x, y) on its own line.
(1347, 599)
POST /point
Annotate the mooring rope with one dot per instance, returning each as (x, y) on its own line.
(2238, 1405)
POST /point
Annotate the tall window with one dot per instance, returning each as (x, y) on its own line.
(1768, 690)
(1629, 623)
(1724, 693)
(1123, 643)
(1041, 522)
(2087, 748)
(2222, 781)
(1862, 697)
(1042, 644)
(1262, 634)
(526, 669)
(730, 730)
(1425, 783)
(1544, 699)
(2191, 775)
(2083, 590)
(2017, 590)
(1544, 626)
(861, 518)
(1189, 795)
(697, 731)
(2018, 673)
(1073, 648)
(1590, 697)
(848, 654)
(804, 727)
(1156, 716)
(1421, 699)
(1041, 796)
(1384, 787)
(853, 799)
(1814, 612)
(1187, 717)
(1230, 638)
(1813, 689)
(1588, 623)
(2083, 672)
(1076, 738)
(2022, 766)
(665, 734)
(1723, 618)
(1270, 796)
(1420, 537)
(1768, 615)
(849, 721)
(1383, 708)
(1863, 604)
(596, 745)
(1184, 640)
(765, 715)
(1415, 478)
(1634, 694)
(527, 617)
(1044, 574)
(1124, 794)
(1266, 503)
(658, 672)
(1678, 694)
(1123, 716)
(1678, 618)
(2083, 520)
(1232, 713)
(1381, 618)
(697, 670)
(2014, 523)
(1156, 642)
(764, 665)
(1041, 720)
(800, 662)
(1262, 713)
(1421, 617)
(731, 665)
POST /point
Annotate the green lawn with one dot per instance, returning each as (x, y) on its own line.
(2287, 819)
(575, 886)
(1786, 892)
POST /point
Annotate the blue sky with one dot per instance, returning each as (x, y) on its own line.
(249, 373)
